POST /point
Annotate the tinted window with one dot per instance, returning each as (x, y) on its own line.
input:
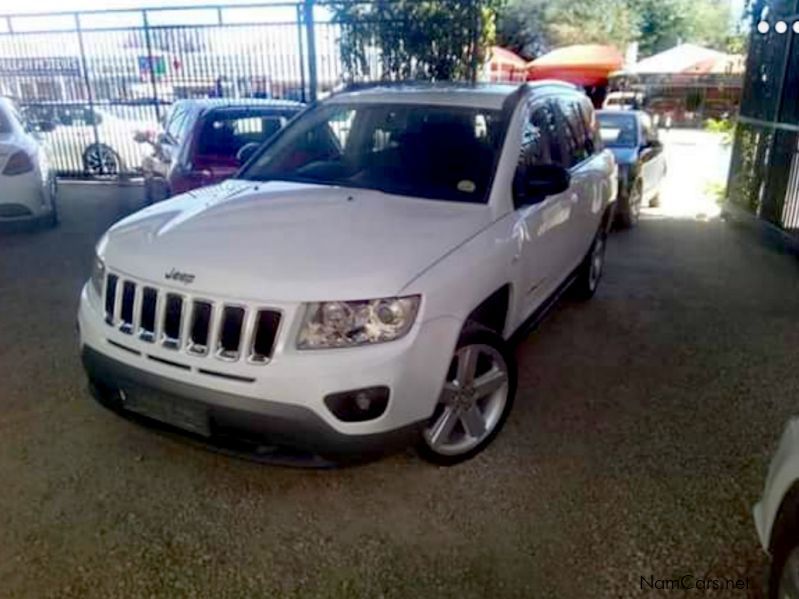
(540, 140)
(444, 153)
(575, 134)
(593, 139)
(225, 134)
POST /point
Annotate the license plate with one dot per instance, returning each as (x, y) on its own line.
(169, 409)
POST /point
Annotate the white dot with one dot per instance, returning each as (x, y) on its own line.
(763, 27)
(781, 27)
(796, 26)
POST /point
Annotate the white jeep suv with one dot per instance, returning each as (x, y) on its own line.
(356, 284)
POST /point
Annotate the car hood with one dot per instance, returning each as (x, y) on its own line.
(625, 156)
(288, 241)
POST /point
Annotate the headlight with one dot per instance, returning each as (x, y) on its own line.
(98, 275)
(348, 324)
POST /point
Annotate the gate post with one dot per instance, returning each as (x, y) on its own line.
(311, 36)
(151, 63)
(302, 53)
(89, 94)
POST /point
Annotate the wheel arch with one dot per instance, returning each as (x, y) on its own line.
(492, 312)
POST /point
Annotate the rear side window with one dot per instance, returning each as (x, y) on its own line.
(225, 134)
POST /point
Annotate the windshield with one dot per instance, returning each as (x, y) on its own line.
(618, 130)
(435, 152)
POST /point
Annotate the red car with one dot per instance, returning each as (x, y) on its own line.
(206, 141)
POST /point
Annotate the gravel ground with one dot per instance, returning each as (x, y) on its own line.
(643, 426)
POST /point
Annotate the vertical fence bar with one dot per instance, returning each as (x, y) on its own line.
(151, 64)
(475, 41)
(311, 35)
(301, 53)
(89, 95)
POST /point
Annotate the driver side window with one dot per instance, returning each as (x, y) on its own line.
(539, 145)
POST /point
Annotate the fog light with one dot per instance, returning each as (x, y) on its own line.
(358, 405)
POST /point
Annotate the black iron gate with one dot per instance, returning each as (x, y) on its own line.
(89, 81)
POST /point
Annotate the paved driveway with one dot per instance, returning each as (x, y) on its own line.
(644, 423)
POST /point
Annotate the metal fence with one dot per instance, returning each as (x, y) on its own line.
(764, 174)
(88, 81)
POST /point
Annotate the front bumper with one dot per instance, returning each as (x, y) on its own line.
(230, 415)
(24, 197)
(282, 401)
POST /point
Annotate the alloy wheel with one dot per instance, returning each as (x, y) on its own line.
(101, 160)
(597, 262)
(472, 401)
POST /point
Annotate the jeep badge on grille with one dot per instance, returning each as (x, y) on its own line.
(176, 275)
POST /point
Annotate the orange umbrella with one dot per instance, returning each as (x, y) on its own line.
(588, 64)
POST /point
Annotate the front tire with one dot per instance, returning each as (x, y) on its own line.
(590, 271)
(475, 401)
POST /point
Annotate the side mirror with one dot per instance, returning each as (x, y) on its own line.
(246, 152)
(541, 181)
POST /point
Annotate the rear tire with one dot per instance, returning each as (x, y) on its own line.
(590, 271)
(631, 210)
(476, 399)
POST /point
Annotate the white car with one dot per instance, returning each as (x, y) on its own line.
(356, 285)
(777, 515)
(113, 151)
(27, 184)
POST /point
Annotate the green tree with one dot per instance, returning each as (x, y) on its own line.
(532, 27)
(536, 26)
(521, 27)
(419, 39)
(591, 22)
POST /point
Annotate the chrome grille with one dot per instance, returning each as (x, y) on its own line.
(198, 326)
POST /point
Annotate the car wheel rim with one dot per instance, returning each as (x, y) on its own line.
(597, 262)
(789, 580)
(472, 401)
(101, 161)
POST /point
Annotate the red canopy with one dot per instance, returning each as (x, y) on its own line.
(586, 65)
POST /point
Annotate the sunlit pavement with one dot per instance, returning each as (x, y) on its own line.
(698, 164)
